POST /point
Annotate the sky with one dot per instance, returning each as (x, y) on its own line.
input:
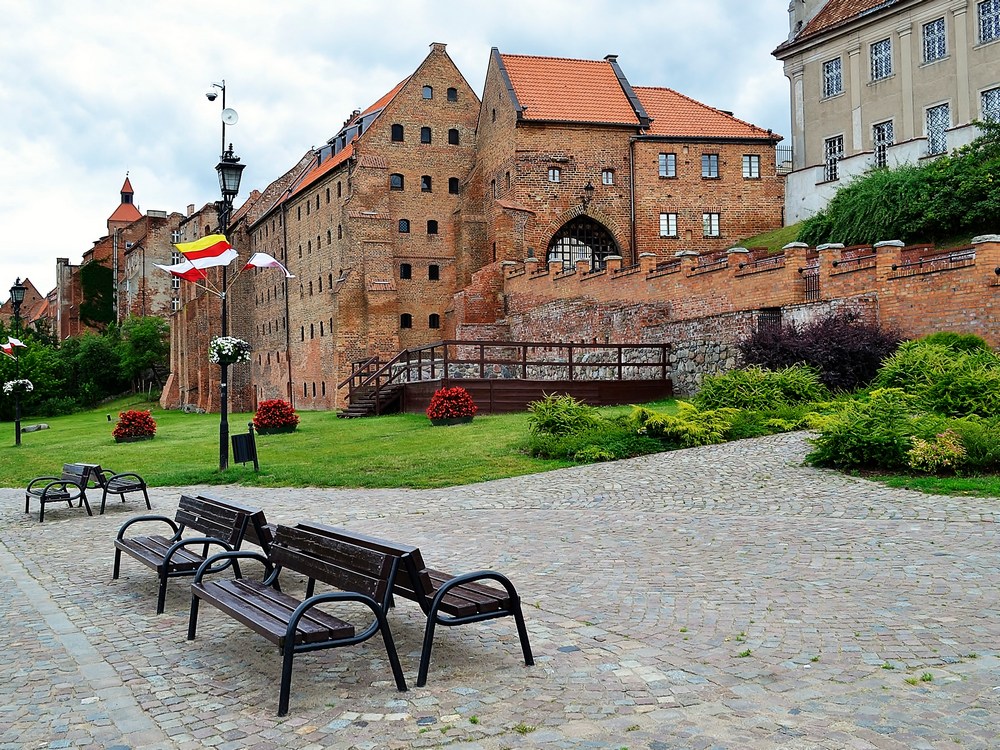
(92, 90)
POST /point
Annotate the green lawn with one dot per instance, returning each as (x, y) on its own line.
(393, 451)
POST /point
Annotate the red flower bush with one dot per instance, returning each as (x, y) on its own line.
(132, 424)
(275, 414)
(451, 402)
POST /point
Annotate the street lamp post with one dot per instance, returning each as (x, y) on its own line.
(16, 298)
(230, 171)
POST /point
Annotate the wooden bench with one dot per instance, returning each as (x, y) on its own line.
(444, 598)
(296, 625)
(121, 484)
(69, 486)
(221, 523)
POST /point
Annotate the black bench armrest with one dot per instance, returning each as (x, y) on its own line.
(110, 476)
(163, 519)
(209, 566)
(207, 541)
(41, 479)
(339, 596)
(457, 581)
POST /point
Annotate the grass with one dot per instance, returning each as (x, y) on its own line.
(401, 450)
(773, 240)
(986, 485)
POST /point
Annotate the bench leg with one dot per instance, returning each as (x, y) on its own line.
(145, 495)
(288, 653)
(193, 618)
(425, 652)
(522, 633)
(118, 563)
(41, 509)
(26, 503)
(104, 499)
(161, 595)
(86, 504)
(390, 650)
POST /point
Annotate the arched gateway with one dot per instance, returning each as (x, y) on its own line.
(582, 238)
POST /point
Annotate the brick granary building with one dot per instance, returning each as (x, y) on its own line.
(398, 229)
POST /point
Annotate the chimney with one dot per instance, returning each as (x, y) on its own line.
(438, 47)
(190, 211)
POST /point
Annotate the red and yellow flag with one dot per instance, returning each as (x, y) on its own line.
(210, 246)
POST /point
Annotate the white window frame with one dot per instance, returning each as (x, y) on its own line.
(175, 304)
(883, 136)
(833, 77)
(555, 174)
(934, 38)
(668, 225)
(607, 177)
(937, 140)
(751, 166)
(667, 163)
(989, 104)
(833, 152)
(710, 224)
(881, 59)
(988, 20)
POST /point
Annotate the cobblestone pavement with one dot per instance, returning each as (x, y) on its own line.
(720, 597)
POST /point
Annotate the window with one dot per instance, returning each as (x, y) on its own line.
(428, 92)
(175, 236)
(340, 231)
(938, 121)
(396, 181)
(175, 304)
(404, 226)
(710, 225)
(833, 152)
(554, 174)
(338, 189)
(881, 54)
(329, 237)
(882, 138)
(406, 320)
(833, 78)
(425, 183)
(405, 271)
(581, 238)
(328, 195)
(989, 20)
(397, 132)
(493, 188)
(608, 177)
(433, 320)
(935, 43)
(425, 135)
(452, 95)
(175, 282)
(432, 226)
(990, 103)
(668, 165)
(668, 225)
(710, 165)
(453, 136)
(506, 180)
(751, 167)
(453, 185)
(433, 272)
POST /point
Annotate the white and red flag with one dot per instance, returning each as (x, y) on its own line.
(263, 260)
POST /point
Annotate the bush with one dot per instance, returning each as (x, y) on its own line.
(956, 382)
(561, 415)
(606, 441)
(133, 424)
(845, 350)
(872, 433)
(981, 440)
(943, 453)
(756, 389)
(690, 427)
(450, 403)
(959, 342)
(275, 414)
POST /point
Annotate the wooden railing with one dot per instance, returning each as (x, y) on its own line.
(504, 360)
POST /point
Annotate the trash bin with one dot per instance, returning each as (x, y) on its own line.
(245, 448)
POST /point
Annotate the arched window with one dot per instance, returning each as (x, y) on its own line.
(396, 181)
(404, 226)
(397, 132)
(433, 320)
(425, 134)
(453, 136)
(582, 239)
(452, 95)
(425, 183)
(432, 226)
(406, 320)
(428, 92)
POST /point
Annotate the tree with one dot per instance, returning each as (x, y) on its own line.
(98, 285)
(145, 348)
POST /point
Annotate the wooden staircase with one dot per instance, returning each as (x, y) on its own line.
(367, 402)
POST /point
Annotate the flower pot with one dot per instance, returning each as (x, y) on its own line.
(133, 438)
(450, 420)
(275, 430)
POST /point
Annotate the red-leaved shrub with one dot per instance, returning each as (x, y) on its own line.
(133, 424)
(447, 403)
(275, 414)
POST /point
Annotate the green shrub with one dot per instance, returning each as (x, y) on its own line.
(607, 441)
(561, 415)
(757, 389)
(943, 453)
(751, 424)
(875, 432)
(959, 342)
(690, 427)
(981, 440)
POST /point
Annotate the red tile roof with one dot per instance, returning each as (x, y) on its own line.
(127, 186)
(837, 13)
(387, 98)
(564, 90)
(318, 171)
(674, 114)
(125, 212)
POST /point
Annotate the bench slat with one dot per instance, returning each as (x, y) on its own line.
(267, 611)
(152, 550)
(340, 564)
(469, 598)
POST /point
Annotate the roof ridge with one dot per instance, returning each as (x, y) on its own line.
(551, 57)
(725, 113)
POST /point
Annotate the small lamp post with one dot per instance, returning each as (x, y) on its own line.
(230, 171)
(588, 194)
(16, 298)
